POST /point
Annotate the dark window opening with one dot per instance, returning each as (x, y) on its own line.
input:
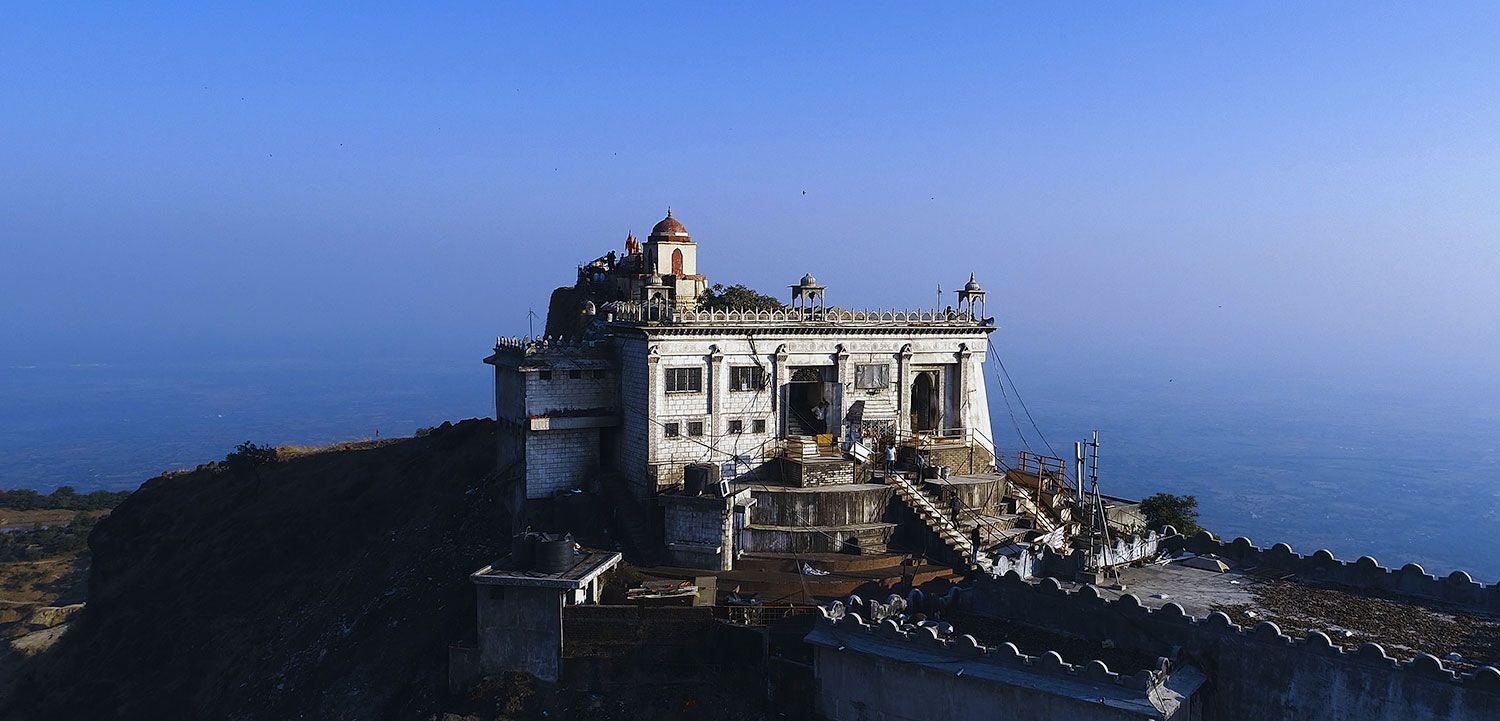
(575, 375)
(760, 425)
(684, 380)
(747, 378)
(736, 426)
(545, 375)
(673, 430)
(695, 428)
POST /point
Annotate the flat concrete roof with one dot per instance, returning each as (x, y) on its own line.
(585, 569)
(1403, 625)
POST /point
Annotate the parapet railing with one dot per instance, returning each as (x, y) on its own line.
(1365, 573)
(1087, 613)
(888, 621)
(638, 312)
(543, 343)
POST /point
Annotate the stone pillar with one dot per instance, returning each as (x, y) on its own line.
(779, 376)
(845, 384)
(903, 390)
(716, 385)
(653, 387)
(961, 385)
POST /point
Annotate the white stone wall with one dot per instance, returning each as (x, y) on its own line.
(715, 405)
(560, 460)
(564, 393)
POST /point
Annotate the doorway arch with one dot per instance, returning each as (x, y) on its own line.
(925, 413)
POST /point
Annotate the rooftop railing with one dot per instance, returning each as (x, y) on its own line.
(664, 313)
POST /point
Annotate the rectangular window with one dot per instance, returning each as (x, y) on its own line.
(760, 425)
(736, 426)
(575, 375)
(871, 375)
(545, 375)
(684, 380)
(695, 428)
(673, 430)
(747, 378)
(599, 374)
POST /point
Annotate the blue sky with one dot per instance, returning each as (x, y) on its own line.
(1197, 185)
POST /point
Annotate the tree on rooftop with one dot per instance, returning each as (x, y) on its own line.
(736, 297)
(1165, 509)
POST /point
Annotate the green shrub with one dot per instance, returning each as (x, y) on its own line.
(1179, 512)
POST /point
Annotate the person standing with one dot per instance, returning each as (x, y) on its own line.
(820, 414)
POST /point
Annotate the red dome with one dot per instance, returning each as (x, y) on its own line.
(669, 229)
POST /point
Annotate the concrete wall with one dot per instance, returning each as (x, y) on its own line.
(636, 450)
(520, 629)
(594, 389)
(870, 538)
(834, 506)
(699, 530)
(882, 672)
(1258, 674)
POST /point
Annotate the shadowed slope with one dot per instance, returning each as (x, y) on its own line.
(324, 586)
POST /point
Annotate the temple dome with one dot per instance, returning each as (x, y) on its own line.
(808, 281)
(669, 229)
(972, 285)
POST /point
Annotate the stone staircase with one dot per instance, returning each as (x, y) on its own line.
(1028, 507)
(937, 520)
(1049, 512)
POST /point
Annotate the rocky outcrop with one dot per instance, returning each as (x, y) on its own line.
(326, 586)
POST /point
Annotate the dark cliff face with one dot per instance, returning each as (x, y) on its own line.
(326, 586)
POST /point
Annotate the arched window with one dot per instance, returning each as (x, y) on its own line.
(677, 262)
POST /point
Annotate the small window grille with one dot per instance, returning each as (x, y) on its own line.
(545, 375)
(736, 426)
(695, 428)
(575, 374)
(673, 430)
(760, 425)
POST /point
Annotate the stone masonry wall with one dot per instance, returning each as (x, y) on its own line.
(880, 669)
(716, 405)
(593, 389)
(1257, 674)
(560, 460)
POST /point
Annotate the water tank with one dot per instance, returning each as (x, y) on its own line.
(554, 556)
(698, 476)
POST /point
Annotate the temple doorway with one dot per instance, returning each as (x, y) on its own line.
(926, 406)
(810, 394)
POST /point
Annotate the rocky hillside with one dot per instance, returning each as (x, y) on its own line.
(325, 586)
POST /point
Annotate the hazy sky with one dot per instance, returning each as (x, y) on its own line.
(1252, 184)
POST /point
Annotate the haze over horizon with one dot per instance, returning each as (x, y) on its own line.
(1203, 188)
